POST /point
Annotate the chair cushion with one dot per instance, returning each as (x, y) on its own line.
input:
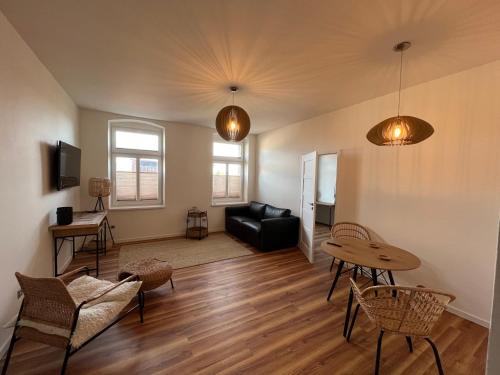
(273, 212)
(256, 210)
(253, 225)
(93, 316)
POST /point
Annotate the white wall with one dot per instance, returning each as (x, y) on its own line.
(187, 182)
(35, 113)
(493, 362)
(438, 199)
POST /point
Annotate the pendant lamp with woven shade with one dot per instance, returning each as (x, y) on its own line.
(400, 130)
(232, 122)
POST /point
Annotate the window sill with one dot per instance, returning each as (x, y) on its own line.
(223, 204)
(125, 208)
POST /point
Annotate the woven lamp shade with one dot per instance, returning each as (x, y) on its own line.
(99, 187)
(232, 123)
(399, 131)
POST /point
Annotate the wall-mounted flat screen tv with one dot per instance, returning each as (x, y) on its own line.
(67, 165)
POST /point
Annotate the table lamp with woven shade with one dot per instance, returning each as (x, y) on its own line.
(100, 187)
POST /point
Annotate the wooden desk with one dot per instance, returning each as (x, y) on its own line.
(369, 254)
(84, 224)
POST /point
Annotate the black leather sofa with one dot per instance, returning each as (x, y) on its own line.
(263, 226)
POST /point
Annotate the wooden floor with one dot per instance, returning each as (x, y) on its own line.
(259, 314)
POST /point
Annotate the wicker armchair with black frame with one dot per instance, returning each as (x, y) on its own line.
(411, 312)
(68, 315)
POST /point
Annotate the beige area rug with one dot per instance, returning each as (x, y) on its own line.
(182, 253)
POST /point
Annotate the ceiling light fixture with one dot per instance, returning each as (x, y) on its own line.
(400, 130)
(232, 122)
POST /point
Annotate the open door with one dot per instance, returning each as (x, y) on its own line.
(307, 204)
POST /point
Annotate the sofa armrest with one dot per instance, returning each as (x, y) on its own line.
(280, 232)
(237, 210)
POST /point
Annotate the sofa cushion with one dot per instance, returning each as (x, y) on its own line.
(253, 225)
(256, 210)
(239, 219)
(272, 212)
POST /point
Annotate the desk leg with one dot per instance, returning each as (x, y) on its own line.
(105, 237)
(97, 254)
(349, 302)
(55, 257)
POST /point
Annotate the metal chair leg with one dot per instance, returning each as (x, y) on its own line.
(140, 297)
(352, 323)
(349, 302)
(9, 353)
(410, 344)
(436, 355)
(379, 351)
(337, 275)
(66, 359)
(172, 283)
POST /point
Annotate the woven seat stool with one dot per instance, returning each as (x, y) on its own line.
(152, 272)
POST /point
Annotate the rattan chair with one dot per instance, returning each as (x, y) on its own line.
(341, 230)
(65, 316)
(407, 311)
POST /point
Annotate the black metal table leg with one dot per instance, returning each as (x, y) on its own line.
(337, 275)
(374, 277)
(349, 303)
(391, 278)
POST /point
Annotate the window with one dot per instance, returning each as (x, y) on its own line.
(136, 162)
(228, 171)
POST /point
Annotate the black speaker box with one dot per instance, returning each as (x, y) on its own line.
(64, 215)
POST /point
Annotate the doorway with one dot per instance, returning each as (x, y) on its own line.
(318, 200)
(326, 194)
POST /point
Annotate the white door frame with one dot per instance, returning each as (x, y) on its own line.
(308, 248)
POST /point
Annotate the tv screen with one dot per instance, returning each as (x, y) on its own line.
(68, 165)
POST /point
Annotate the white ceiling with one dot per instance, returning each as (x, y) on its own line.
(173, 60)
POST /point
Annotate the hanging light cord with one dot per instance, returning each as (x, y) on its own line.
(400, 75)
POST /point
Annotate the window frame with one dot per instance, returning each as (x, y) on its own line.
(143, 127)
(220, 201)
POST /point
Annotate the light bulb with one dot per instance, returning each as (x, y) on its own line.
(233, 125)
(397, 132)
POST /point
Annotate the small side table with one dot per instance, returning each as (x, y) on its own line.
(196, 224)
(84, 224)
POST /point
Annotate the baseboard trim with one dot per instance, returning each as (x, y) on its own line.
(158, 237)
(467, 316)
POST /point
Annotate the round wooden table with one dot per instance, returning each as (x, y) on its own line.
(369, 254)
